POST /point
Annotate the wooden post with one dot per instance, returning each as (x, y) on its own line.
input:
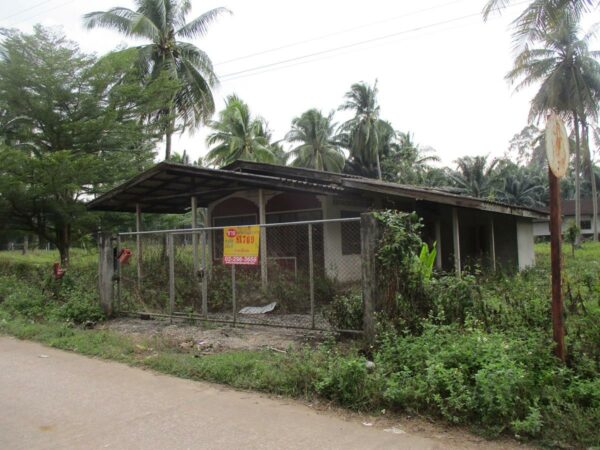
(204, 276)
(233, 297)
(456, 241)
(262, 219)
(171, 250)
(492, 244)
(438, 245)
(555, 258)
(106, 271)
(369, 239)
(138, 242)
(311, 275)
(194, 210)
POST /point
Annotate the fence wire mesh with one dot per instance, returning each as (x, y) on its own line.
(302, 268)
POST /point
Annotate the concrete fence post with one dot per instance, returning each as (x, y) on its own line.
(370, 233)
(106, 272)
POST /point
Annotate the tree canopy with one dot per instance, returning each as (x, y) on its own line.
(72, 129)
(163, 23)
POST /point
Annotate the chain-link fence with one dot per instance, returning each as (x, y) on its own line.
(183, 273)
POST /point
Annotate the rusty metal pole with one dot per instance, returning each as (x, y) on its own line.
(555, 257)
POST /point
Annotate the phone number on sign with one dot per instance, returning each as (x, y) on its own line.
(240, 260)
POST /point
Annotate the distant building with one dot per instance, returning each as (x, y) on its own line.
(541, 227)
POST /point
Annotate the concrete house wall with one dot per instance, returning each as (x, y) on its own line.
(512, 238)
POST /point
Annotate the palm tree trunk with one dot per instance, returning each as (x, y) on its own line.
(592, 177)
(378, 165)
(577, 172)
(168, 145)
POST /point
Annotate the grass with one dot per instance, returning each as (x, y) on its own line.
(79, 257)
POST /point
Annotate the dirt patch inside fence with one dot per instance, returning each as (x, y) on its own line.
(209, 337)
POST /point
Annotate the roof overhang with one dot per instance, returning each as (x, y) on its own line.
(167, 188)
(441, 197)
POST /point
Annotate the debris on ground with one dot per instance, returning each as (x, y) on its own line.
(207, 338)
(258, 309)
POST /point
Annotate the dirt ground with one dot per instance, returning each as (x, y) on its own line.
(210, 337)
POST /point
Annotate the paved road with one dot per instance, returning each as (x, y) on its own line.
(55, 399)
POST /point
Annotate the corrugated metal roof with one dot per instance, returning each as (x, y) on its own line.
(167, 188)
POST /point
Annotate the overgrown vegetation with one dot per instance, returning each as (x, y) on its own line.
(477, 351)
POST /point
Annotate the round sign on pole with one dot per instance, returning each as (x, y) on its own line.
(557, 145)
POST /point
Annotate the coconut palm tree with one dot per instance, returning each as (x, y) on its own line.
(238, 135)
(318, 148)
(407, 163)
(569, 77)
(538, 14)
(475, 176)
(360, 134)
(163, 23)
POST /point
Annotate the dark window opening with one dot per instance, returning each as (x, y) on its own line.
(350, 234)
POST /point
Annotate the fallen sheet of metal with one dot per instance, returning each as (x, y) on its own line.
(258, 309)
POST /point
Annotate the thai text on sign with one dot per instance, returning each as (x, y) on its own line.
(240, 245)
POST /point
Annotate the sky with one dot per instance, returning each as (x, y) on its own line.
(440, 69)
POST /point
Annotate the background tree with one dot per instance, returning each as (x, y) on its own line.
(409, 163)
(82, 134)
(317, 144)
(476, 176)
(360, 135)
(522, 186)
(538, 14)
(163, 23)
(238, 135)
(569, 77)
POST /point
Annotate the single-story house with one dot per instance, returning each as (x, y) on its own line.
(541, 227)
(466, 229)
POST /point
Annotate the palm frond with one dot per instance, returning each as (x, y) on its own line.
(199, 26)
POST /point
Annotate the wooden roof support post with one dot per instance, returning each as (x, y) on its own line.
(106, 271)
(194, 211)
(456, 241)
(138, 242)
(206, 262)
(262, 219)
(492, 244)
(438, 245)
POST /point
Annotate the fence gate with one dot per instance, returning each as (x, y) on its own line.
(301, 267)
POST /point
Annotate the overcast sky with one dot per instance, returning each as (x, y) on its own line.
(440, 68)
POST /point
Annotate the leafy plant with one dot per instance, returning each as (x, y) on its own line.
(572, 233)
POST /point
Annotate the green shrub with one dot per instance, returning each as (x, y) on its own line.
(495, 381)
(347, 381)
(346, 311)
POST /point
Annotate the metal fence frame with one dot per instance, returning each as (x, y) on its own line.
(202, 231)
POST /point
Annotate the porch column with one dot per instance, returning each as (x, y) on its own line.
(492, 244)
(456, 241)
(194, 210)
(138, 242)
(262, 219)
(438, 245)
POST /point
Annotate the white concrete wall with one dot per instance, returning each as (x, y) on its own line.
(525, 250)
(541, 228)
(343, 268)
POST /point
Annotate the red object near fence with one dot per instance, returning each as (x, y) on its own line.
(124, 256)
(58, 271)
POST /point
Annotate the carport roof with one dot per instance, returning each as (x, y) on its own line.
(167, 188)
